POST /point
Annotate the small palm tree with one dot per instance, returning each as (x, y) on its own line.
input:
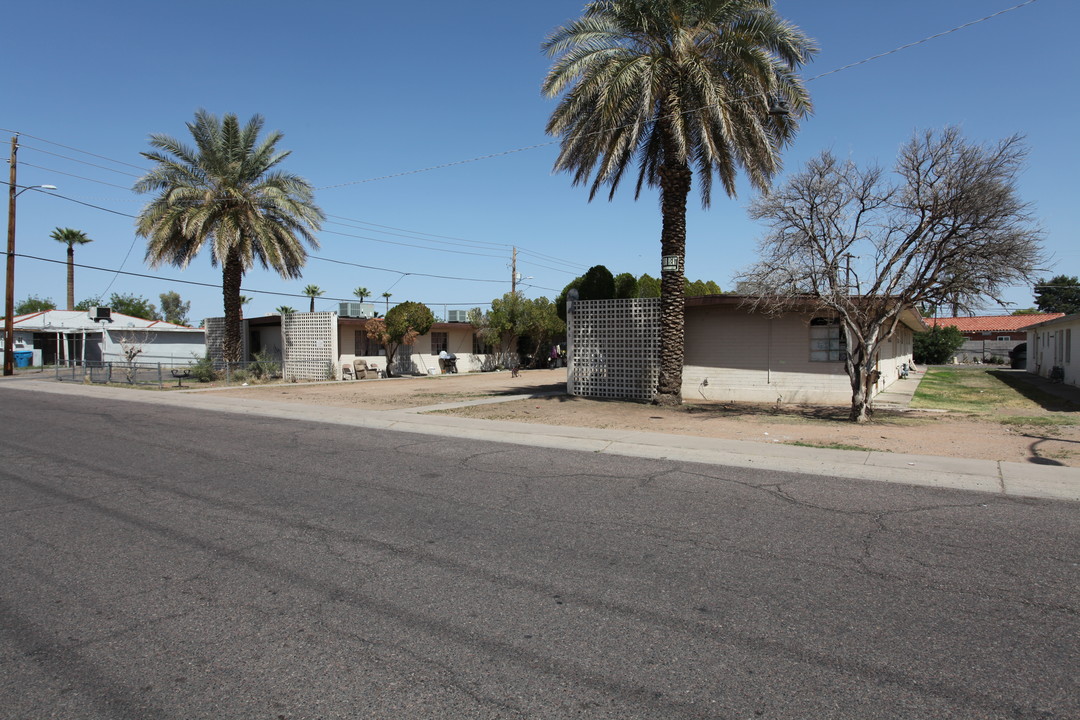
(387, 295)
(674, 87)
(71, 238)
(227, 193)
(244, 300)
(361, 292)
(284, 310)
(313, 291)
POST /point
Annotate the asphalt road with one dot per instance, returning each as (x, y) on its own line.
(159, 562)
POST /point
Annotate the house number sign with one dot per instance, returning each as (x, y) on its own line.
(670, 263)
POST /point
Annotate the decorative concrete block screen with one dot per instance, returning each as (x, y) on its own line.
(614, 348)
(215, 336)
(310, 345)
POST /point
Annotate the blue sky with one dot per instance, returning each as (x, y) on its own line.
(367, 93)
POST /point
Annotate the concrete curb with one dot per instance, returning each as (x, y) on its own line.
(1027, 480)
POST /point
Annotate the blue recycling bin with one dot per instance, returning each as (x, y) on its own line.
(23, 358)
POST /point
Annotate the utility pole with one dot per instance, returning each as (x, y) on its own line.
(513, 259)
(9, 288)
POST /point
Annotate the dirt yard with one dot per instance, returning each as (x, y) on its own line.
(923, 432)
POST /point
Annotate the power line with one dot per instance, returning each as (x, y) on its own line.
(69, 147)
(311, 256)
(214, 285)
(403, 244)
(83, 162)
(79, 177)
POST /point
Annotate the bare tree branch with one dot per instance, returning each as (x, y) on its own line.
(950, 229)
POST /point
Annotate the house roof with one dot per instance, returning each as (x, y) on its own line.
(993, 323)
(1057, 319)
(68, 320)
(909, 317)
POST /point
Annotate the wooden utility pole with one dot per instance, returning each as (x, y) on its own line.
(513, 270)
(9, 288)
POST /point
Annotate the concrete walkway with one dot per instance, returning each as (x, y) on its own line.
(1001, 478)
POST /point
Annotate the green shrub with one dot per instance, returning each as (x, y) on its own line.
(937, 346)
(203, 369)
(238, 376)
(264, 366)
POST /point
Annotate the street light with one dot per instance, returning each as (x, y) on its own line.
(9, 294)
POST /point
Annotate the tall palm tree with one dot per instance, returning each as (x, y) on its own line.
(387, 295)
(227, 193)
(71, 238)
(675, 87)
(361, 292)
(313, 291)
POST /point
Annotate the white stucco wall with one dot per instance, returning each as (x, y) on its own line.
(173, 348)
(1055, 344)
(415, 359)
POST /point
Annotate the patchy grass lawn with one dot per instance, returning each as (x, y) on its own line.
(978, 391)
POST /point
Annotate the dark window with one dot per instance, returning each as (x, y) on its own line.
(439, 341)
(827, 341)
(363, 345)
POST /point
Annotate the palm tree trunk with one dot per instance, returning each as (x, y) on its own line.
(675, 177)
(71, 277)
(312, 307)
(232, 276)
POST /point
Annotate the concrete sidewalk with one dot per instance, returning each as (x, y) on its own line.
(1001, 478)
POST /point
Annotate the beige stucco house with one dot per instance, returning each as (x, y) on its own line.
(731, 353)
(317, 346)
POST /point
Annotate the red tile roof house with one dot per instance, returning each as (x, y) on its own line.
(990, 336)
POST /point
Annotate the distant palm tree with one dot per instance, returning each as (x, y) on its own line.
(361, 292)
(387, 295)
(227, 193)
(244, 300)
(674, 87)
(313, 291)
(71, 238)
(284, 310)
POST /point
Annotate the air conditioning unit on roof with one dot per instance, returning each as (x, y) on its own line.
(356, 309)
(457, 316)
(97, 314)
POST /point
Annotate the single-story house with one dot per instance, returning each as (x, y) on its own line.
(75, 337)
(990, 336)
(731, 353)
(1052, 349)
(317, 346)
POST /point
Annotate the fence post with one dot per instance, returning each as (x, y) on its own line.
(160, 384)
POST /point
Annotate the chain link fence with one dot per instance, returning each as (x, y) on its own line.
(150, 374)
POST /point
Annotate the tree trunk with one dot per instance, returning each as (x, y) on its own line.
(311, 309)
(862, 356)
(861, 409)
(391, 350)
(675, 178)
(71, 277)
(232, 275)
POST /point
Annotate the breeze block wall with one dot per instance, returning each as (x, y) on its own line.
(614, 348)
(215, 336)
(311, 345)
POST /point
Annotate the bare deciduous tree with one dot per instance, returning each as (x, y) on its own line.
(951, 229)
(131, 347)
